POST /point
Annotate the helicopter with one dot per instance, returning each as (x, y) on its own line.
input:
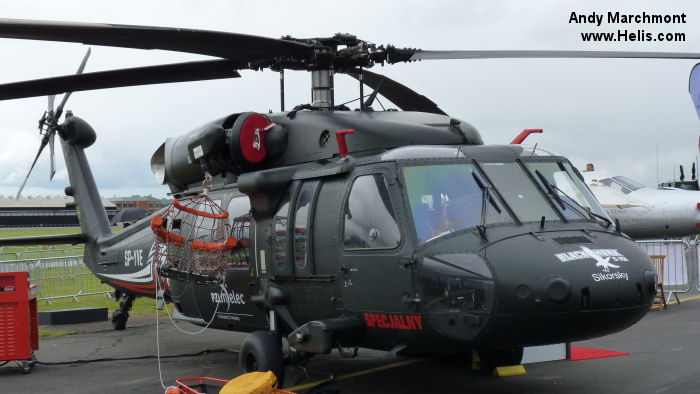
(406, 234)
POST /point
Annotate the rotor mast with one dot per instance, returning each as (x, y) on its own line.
(322, 89)
(322, 79)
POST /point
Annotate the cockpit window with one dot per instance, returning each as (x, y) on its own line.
(621, 184)
(628, 183)
(523, 196)
(370, 222)
(573, 198)
(447, 198)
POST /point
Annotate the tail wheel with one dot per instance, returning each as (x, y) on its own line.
(493, 358)
(262, 351)
(119, 319)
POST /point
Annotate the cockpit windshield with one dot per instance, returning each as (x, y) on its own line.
(575, 199)
(447, 198)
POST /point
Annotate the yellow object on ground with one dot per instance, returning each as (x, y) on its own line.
(513, 370)
(251, 383)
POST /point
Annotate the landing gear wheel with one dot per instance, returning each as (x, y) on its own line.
(262, 351)
(119, 319)
(121, 315)
(493, 358)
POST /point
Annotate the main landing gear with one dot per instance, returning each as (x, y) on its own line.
(262, 351)
(121, 315)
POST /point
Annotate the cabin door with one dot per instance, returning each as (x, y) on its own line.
(374, 270)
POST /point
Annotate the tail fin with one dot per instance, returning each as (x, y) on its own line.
(76, 135)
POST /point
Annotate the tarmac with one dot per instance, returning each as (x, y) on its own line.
(664, 357)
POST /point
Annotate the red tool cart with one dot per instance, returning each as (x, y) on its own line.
(19, 328)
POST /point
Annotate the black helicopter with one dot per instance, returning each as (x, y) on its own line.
(408, 235)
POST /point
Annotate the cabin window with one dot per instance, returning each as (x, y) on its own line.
(279, 244)
(239, 220)
(302, 214)
(239, 217)
(369, 216)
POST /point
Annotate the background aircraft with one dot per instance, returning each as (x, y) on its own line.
(646, 212)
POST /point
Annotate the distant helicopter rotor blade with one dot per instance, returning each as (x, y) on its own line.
(234, 46)
(400, 55)
(169, 73)
(402, 96)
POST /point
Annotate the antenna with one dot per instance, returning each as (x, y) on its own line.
(362, 91)
(282, 89)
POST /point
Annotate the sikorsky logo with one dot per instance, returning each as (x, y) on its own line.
(397, 322)
(228, 298)
(604, 259)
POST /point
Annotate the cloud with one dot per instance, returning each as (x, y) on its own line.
(611, 112)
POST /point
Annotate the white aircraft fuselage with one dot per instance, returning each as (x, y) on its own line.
(645, 212)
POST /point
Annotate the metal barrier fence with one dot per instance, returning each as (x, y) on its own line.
(680, 264)
(34, 252)
(58, 277)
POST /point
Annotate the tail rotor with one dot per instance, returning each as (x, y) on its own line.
(48, 126)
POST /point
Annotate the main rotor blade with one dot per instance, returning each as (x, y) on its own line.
(402, 55)
(178, 72)
(241, 47)
(41, 148)
(59, 110)
(402, 96)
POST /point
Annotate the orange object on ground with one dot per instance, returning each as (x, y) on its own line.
(253, 382)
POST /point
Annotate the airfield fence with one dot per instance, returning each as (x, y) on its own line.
(680, 264)
(58, 272)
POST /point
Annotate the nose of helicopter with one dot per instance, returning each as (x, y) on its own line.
(568, 286)
(536, 289)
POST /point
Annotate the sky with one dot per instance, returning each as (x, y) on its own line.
(628, 116)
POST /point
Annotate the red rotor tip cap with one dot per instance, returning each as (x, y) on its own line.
(342, 145)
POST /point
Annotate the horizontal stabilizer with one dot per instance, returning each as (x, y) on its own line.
(43, 240)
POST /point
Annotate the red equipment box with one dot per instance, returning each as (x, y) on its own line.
(19, 329)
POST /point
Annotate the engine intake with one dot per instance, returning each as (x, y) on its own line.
(250, 143)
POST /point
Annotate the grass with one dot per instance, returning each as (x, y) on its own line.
(60, 281)
(142, 306)
(15, 252)
(30, 232)
(57, 333)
